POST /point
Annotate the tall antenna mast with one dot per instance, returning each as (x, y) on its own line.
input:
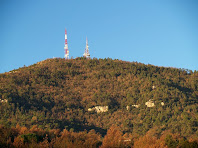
(86, 54)
(66, 46)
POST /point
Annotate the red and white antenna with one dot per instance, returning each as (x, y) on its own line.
(86, 54)
(66, 46)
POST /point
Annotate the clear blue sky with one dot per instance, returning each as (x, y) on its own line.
(158, 32)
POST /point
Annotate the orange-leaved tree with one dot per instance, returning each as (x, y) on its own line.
(113, 138)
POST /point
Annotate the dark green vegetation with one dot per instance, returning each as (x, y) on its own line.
(56, 94)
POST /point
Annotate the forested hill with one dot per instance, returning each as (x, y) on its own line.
(56, 93)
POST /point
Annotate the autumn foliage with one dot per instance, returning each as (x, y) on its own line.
(36, 137)
(47, 104)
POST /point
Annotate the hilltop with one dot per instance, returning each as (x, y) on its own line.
(57, 93)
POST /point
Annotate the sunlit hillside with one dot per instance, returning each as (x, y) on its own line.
(84, 94)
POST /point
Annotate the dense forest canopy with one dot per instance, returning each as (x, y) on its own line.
(56, 94)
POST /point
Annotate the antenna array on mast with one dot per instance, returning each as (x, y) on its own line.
(66, 46)
(86, 54)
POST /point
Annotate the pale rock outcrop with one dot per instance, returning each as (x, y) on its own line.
(99, 109)
(129, 107)
(91, 109)
(137, 106)
(150, 103)
(3, 100)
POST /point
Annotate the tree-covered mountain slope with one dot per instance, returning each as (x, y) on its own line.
(57, 93)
